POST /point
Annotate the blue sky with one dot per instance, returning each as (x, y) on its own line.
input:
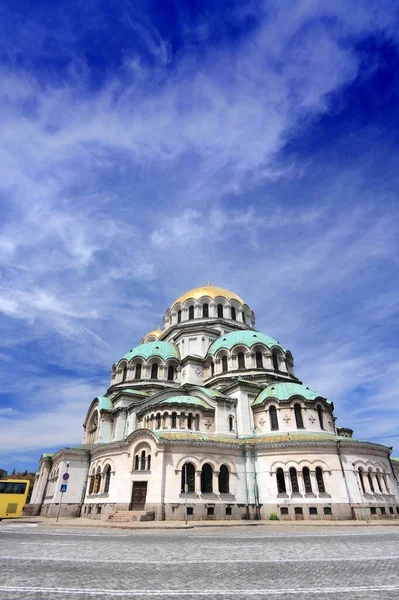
(147, 146)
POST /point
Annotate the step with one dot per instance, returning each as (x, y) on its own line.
(124, 516)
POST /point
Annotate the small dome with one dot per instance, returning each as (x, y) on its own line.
(164, 350)
(247, 337)
(285, 391)
(211, 291)
(156, 333)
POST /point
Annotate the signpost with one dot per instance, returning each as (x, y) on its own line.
(63, 489)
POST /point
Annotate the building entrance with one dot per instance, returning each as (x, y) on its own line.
(139, 494)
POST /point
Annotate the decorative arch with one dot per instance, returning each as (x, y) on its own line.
(180, 463)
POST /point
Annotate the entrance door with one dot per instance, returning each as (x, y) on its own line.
(139, 494)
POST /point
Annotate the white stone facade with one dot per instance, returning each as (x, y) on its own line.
(211, 403)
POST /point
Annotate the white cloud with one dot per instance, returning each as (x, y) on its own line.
(118, 200)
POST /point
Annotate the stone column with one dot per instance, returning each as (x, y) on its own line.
(216, 482)
(198, 481)
(287, 482)
(313, 479)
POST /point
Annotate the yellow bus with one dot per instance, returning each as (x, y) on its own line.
(13, 495)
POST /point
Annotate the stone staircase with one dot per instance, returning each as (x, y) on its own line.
(126, 516)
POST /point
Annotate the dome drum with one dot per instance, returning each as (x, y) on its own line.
(209, 302)
(178, 413)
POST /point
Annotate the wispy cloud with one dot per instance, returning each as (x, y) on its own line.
(176, 166)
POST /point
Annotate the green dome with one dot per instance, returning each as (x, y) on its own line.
(186, 400)
(285, 391)
(164, 350)
(247, 337)
(104, 403)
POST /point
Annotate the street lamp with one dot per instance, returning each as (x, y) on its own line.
(65, 478)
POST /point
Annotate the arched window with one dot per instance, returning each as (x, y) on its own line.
(233, 313)
(377, 476)
(307, 481)
(179, 316)
(220, 311)
(243, 317)
(224, 484)
(171, 373)
(137, 374)
(241, 360)
(320, 480)
(275, 361)
(370, 480)
(294, 480)
(259, 360)
(149, 462)
(142, 461)
(190, 421)
(298, 416)
(205, 310)
(360, 471)
(224, 364)
(154, 371)
(174, 420)
(191, 312)
(158, 421)
(136, 462)
(273, 418)
(281, 489)
(91, 484)
(231, 423)
(320, 415)
(107, 479)
(190, 470)
(384, 476)
(207, 479)
(197, 421)
(124, 372)
(97, 481)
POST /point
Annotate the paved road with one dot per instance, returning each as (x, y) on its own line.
(247, 562)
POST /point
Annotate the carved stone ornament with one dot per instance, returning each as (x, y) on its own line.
(287, 419)
(312, 419)
(198, 372)
(184, 372)
(262, 421)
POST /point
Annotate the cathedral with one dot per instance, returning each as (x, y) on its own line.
(206, 418)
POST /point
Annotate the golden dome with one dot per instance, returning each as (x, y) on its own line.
(211, 291)
(156, 333)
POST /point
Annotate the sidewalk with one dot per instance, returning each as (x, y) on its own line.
(140, 525)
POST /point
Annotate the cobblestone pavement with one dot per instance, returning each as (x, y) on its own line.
(195, 564)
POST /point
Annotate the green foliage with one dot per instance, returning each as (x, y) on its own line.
(274, 517)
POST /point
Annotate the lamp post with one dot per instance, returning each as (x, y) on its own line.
(62, 493)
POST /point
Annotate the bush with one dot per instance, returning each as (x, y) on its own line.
(274, 517)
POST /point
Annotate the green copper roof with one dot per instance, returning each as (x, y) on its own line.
(104, 403)
(211, 393)
(131, 391)
(164, 350)
(285, 391)
(187, 400)
(247, 337)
